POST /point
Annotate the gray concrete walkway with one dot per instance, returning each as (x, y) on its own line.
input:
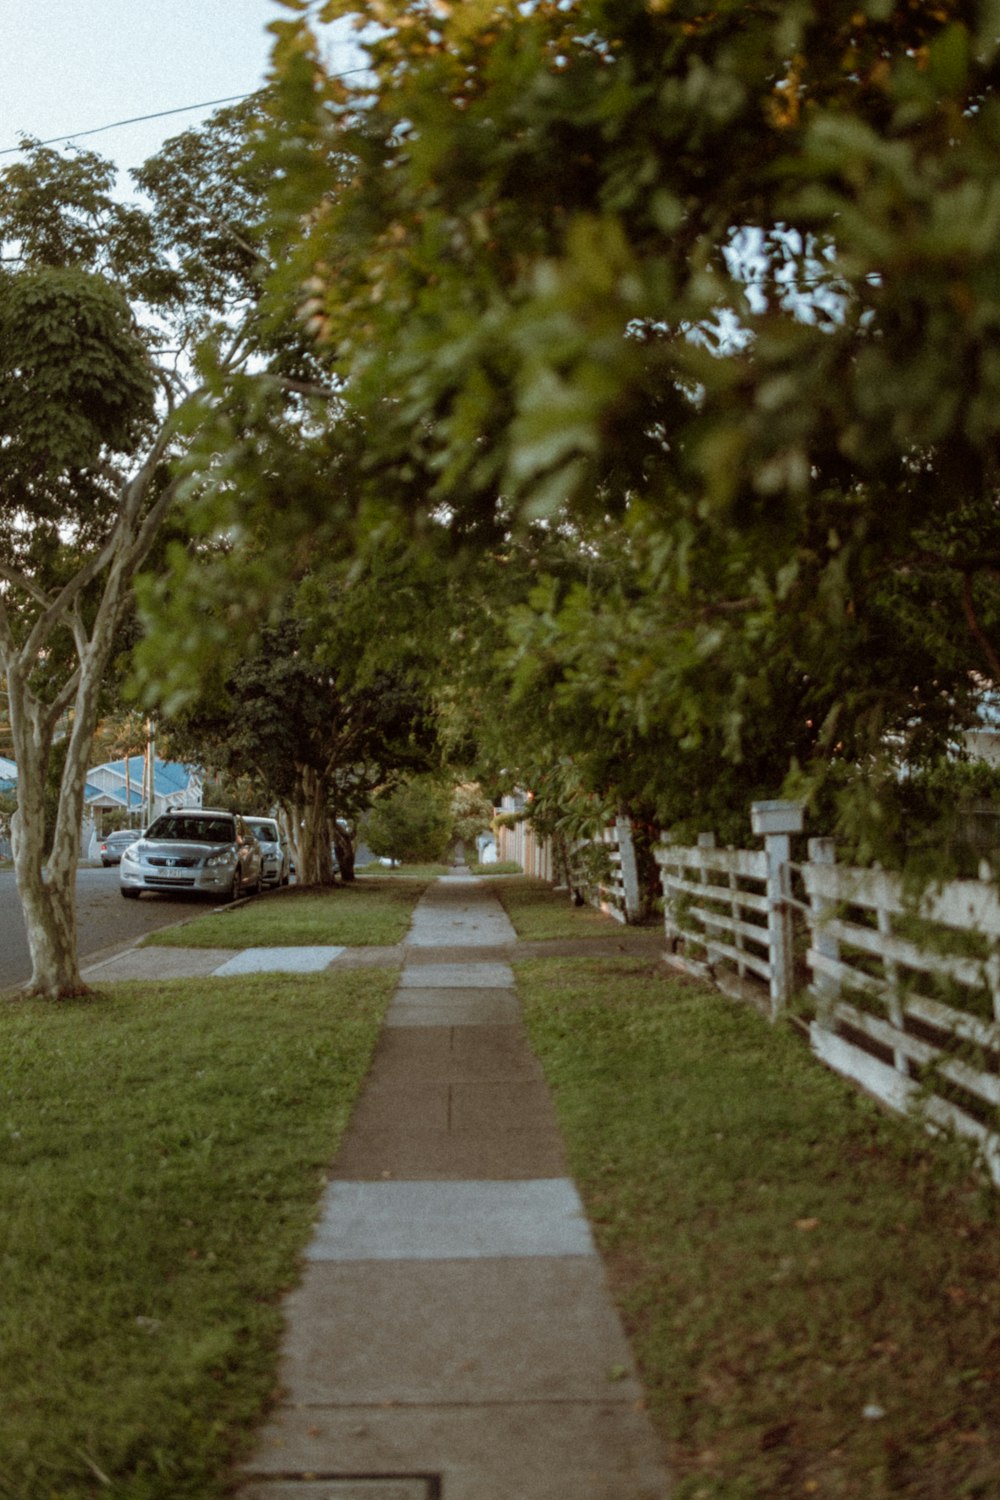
(452, 1337)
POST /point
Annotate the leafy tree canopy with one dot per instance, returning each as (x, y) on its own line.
(721, 281)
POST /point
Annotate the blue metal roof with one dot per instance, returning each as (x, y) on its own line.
(168, 777)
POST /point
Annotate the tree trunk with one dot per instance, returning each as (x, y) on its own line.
(344, 845)
(47, 887)
(314, 862)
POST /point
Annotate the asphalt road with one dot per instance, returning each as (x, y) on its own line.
(103, 918)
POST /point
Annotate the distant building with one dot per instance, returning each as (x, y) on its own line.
(121, 786)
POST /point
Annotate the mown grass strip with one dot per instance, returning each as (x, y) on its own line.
(161, 1157)
(374, 912)
(538, 912)
(812, 1287)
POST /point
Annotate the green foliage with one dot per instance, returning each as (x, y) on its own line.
(412, 823)
(472, 814)
(76, 391)
(735, 353)
(286, 713)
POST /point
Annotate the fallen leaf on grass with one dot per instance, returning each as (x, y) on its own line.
(807, 1225)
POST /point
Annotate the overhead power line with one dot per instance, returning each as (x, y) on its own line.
(162, 114)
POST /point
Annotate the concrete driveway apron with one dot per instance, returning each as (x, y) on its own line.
(452, 1335)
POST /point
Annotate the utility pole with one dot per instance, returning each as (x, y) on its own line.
(150, 768)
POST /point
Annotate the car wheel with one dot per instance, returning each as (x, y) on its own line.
(129, 894)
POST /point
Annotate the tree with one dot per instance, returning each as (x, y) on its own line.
(747, 324)
(411, 823)
(314, 732)
(100, 395)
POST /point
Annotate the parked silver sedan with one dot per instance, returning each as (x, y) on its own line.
(193, 849)
(111, 847)
(275, 860)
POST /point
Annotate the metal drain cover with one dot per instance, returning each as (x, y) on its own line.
(419, 1487)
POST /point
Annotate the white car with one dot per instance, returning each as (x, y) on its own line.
(275, 859)
(193, 849)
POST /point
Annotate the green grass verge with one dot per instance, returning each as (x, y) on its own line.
(812, 1287)
(538, 912)
(402, 872)
(371, 912)
(161, 1156)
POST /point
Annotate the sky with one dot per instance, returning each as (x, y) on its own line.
(70, 66)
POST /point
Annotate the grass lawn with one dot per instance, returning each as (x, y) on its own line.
(373, 911)
(378, 871)
(812, 1287)
(538, 912)
(161, 1158)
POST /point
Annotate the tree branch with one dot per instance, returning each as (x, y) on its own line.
(979, 635)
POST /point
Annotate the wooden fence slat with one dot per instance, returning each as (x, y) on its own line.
(743, 956)
(946, 1018)
(725, 923)
(750, 863)
(749, 900)
(969, 971)
(902, 1093)
(985, 1085)
(963, 904)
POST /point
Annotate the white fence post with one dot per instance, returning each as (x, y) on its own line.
(629, 867)
(775, 821)
(825, 987)
(707, 841)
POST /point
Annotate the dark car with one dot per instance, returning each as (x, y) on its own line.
(193, 849)
(112, 844)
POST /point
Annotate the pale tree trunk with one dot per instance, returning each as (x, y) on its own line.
(49, 917)
(313, 859)
(47, 887)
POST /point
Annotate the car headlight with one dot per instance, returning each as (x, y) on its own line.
(130, 857)
(227, 857)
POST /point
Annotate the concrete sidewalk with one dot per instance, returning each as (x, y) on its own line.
(452, 1335)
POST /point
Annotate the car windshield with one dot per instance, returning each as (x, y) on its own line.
(266, 832)
(194, 830)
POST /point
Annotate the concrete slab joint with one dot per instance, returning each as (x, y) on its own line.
(309, 1487)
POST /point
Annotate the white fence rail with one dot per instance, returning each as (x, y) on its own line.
(905, 987)
(602, 870)
(908, 995)
(715, 910)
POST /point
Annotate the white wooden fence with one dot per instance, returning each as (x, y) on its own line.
(614, 889)
(907, 995)
(904, 987)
